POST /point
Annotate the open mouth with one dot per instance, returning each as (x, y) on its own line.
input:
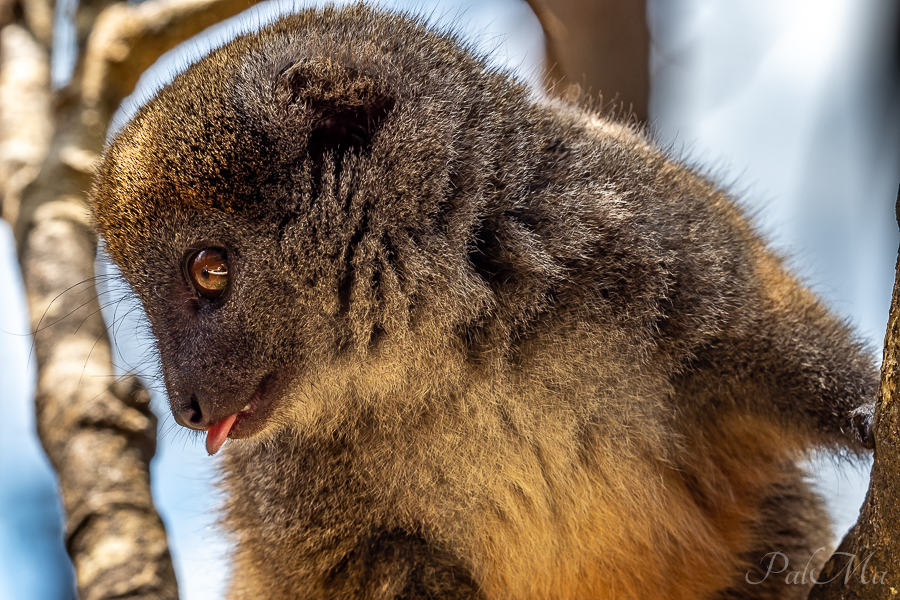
(249, 420)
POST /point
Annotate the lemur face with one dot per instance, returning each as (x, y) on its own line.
(278, 206)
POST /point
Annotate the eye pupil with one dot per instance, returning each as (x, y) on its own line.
(207, 271)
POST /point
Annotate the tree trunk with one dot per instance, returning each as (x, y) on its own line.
(600, 48)
(98, 431)
(867, 562)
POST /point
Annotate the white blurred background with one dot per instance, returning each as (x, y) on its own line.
(793, 104)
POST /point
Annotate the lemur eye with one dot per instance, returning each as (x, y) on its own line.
(208, 272)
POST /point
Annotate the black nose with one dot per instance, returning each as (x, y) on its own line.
(191, 416)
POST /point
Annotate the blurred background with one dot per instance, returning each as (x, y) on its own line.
(793, 105)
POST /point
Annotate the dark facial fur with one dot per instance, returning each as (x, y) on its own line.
(480, 344)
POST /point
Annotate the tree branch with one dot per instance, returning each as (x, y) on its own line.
(129, 38)
(99, 433)
(602, 47)
(25, 126)
(38, 17)
(867, 564)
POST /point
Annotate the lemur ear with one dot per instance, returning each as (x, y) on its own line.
(348, 107)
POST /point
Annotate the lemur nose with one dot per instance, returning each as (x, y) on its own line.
(191, 416)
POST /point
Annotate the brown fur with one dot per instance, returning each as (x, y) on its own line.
(512, 349)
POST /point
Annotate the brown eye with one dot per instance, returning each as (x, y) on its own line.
(208, 272)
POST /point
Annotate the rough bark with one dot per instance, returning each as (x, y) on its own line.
(867, 561)
(25, 126)
(601, 48)
(97, 430)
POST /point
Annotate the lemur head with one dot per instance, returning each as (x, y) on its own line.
(293, 196)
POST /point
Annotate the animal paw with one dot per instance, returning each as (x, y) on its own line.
(863, 418)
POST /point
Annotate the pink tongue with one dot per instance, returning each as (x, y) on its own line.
(218, 433)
